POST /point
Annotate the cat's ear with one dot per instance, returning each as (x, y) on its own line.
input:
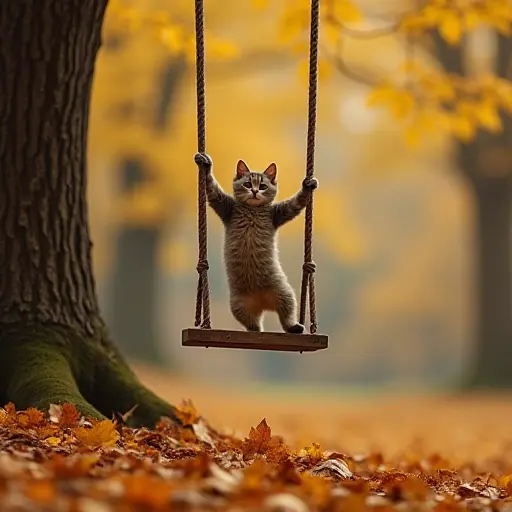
(241, 169)
(271, 172)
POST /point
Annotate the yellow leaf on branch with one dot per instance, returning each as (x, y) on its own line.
(400, 102)
(450, 27)
(463, 127)
(488, 116)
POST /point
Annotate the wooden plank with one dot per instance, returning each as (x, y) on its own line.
(276, 341)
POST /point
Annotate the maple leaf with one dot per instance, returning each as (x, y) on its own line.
(69, 416)
(8, 415)
(258, 439)
(30, 418)
(102, 433)
(187, 413)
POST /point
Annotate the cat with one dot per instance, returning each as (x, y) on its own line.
(251, 219)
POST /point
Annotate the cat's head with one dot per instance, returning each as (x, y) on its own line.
(255, 188)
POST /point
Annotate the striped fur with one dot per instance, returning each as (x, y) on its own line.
(256, 279)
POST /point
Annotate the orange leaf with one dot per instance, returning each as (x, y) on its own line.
(30, 418)
(187, 413)
(103, 433)
(69, 416)
(258, 439)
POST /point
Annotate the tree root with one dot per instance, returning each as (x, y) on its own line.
(41, 365)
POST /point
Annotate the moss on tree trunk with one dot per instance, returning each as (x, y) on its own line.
(54, 346)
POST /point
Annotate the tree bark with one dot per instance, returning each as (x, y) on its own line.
(54, 346)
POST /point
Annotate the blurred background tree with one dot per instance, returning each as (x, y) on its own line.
(454, 78)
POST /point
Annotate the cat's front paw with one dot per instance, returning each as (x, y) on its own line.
(310, 184)
(203, 159)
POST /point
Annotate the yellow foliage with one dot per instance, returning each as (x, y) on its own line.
(399, 101)
(488, 116)
(450, 26)
(455, 17)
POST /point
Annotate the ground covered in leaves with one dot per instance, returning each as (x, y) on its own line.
(57, 460)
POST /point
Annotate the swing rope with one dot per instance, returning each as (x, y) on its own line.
(309, 267)
(203, 288)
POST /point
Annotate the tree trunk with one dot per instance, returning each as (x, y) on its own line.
(136, 269)
(54, 347)
(134, 280)
(493, 358)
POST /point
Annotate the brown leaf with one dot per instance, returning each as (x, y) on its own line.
(333, 468)
(30, 418)
(187, 413)
(69, 416)
(258, 439)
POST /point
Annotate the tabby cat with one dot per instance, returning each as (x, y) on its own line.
(256, 280)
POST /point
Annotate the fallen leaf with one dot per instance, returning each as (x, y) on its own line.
(103, 433)
(187, 413)
(334, 468)
(69, 416)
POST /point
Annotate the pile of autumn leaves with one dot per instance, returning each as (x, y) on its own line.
(61, 461)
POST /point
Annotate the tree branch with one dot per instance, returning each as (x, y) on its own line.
(364, 34)
(450, 57)
(346, 71)
(503, 56)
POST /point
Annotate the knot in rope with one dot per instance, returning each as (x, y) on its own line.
(202, 265)
(308, 180)
(309, 267)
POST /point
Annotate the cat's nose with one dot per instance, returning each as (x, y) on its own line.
(254, 192)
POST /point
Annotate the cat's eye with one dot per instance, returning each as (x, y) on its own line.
(247, 184)
(263, 186)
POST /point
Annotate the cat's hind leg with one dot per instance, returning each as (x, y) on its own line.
(250, 318)
(286, 307)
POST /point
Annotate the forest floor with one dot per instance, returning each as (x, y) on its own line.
(275, 449)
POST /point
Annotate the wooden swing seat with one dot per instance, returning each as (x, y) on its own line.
(274, 341)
